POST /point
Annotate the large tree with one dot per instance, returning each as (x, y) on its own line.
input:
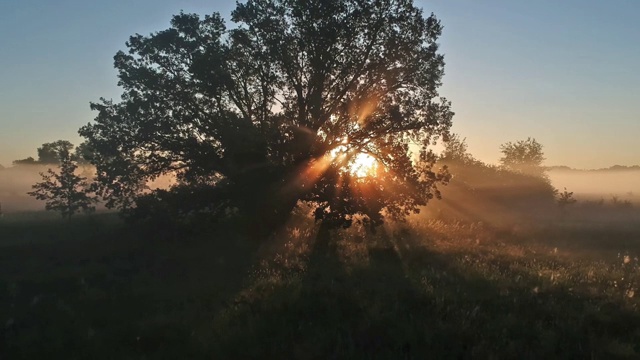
(278, 108)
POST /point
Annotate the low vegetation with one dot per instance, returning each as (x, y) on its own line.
(445, 289)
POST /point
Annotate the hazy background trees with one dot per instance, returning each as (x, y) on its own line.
(49, 153)
(26, 161)
(525, 156)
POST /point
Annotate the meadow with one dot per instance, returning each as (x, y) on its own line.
(255, 161)
(96, 287)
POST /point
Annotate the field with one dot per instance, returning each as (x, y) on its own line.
(95, 288)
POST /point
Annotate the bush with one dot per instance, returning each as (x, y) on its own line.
(565, 199)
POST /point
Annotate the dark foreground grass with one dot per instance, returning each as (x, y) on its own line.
(93, 288)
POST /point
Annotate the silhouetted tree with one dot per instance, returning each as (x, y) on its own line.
(257, 113)
(524, 156)
(50, 153)
(64, 191)
(83, 153)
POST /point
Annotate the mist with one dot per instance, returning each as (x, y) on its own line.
(16, 181)
(624, 185)
(598, 184)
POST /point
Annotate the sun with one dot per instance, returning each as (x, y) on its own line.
(363, 165)
(359, 165)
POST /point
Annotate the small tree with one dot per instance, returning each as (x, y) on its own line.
(525, 156)
(565, 199)
(64, 191)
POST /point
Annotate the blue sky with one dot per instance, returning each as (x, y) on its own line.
(566, 73)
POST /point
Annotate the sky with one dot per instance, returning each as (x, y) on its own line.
(566, 73)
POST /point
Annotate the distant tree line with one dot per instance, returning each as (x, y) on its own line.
(523, 156)
(50, 154)
(611, 168)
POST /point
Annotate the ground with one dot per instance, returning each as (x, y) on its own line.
(96, 288)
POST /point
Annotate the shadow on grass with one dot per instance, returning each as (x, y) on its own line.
(409, 302)
(389, 296)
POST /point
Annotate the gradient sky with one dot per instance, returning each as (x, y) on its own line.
(565, 72)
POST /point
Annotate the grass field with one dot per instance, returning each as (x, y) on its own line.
(94, 288)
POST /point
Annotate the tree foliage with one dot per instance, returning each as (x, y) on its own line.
(258, 111)
(83, 153)
(64, 191)
(524, 156)
(50, 153)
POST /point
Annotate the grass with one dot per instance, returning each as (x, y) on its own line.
(95, 288)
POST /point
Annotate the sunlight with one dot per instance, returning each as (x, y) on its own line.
(363, 165)
(359, 165)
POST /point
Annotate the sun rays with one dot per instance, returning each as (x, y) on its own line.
(358, 164)
(363, 165)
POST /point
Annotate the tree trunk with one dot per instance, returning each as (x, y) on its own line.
(268, 200)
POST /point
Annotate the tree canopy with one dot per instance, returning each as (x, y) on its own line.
(278, 108)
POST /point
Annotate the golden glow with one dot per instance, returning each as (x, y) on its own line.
(363, 165)
(359, 165)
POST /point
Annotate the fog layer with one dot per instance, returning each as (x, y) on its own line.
(15, 182)
(605, 184)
